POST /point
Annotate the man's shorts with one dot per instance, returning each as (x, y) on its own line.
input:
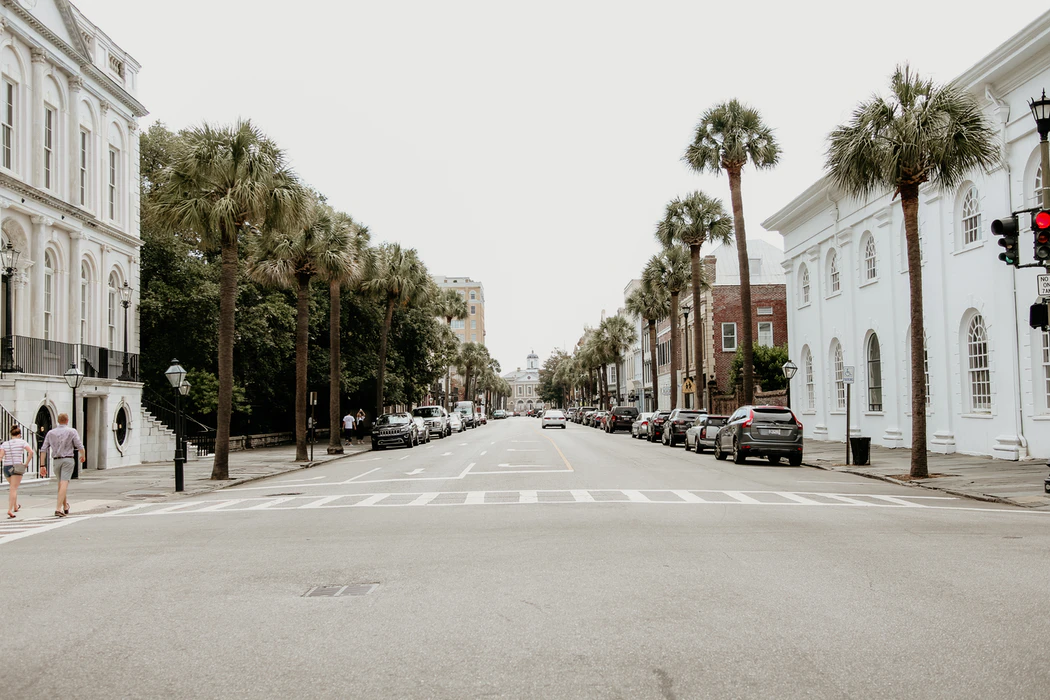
(62, 467)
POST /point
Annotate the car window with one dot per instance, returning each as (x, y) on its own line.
(716, 420)
(430, 412)
(774, 415)
(393, 419)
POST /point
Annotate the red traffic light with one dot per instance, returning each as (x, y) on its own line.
(1042, 220)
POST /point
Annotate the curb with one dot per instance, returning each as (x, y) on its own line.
(986, 498)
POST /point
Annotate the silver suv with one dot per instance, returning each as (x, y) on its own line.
(436, 419)
(772, 432)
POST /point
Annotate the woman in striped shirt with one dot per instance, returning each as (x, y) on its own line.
(15, 454)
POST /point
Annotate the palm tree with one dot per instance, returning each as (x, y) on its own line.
(922, 133)
(730, 136)
(620, 335)
(354, 236)
(693, 221)
(669, 272)
(472, 358)
(293, 258)
(651, 303)
(224, 182)
(450, 305)
(398, 278)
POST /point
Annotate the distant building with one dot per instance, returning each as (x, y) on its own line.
(471, 329)
(525, 385)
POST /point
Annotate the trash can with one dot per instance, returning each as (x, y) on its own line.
(861, 449)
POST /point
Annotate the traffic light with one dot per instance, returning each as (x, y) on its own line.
(1007, 228)
(1039, 316)
(1041, 228)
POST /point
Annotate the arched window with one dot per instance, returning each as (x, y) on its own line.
(85, 277)
(111, 312)
(874, 374)
(978, 366)
(804, 286)
(834, 279)
(837, 368)
(49, 294)
(871, 259)
(807, 369)
(971, 217)
(925, 367)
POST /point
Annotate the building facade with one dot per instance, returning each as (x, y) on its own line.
(525, 386)
(471, 329)
(987, 372)
(69, 207)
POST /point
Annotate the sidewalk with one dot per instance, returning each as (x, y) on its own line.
(97, 491)
(983, 478)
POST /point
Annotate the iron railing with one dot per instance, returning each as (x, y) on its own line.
(6, 421)
(52, 358)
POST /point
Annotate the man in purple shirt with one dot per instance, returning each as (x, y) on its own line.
(59, 444)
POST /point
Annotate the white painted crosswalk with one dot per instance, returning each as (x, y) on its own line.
(17, 529)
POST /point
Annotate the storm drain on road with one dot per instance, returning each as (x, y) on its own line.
(340, 591)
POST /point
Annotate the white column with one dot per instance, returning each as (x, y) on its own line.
(102, 324)
(74, 286)
(102, 163)
(75, 85)
(37, 124)
(36, 276)
(129, 183)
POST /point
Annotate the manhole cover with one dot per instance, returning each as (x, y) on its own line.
(291, 493)
(338, 591)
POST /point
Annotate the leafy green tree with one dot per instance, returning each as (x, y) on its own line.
(769, 361)
(619, 335)
(921, 133)
(669, 272)
(652, 303)
(553, 380)
(729, 136)
(222, 182)
(693, 221)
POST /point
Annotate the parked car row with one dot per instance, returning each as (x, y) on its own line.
(403, 429)
(773, 432)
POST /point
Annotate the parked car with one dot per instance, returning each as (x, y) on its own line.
(598, 420)
(422, 429)
(553, 418)
(581, 413)
(455, 423)
(587, 416)
(570, 414)
(656, 426)
(620, 418)
(465, 409)
(480, 418)
(701, 434)
(394, 429)
(677, 423)
(640, 426)
(498, 414)
(436, 419)
(772, 432)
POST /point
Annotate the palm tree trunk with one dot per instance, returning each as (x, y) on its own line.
(910, 205)
(746, 335)
(227, 307)
(652, 365)
(675, 342)
(335, 440)
(382, 355)
(302, 340)
(698, 336)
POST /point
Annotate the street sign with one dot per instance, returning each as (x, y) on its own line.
(1043, 282)
(848, 373)
(688, 386)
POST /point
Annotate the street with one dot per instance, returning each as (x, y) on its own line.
(509, 561)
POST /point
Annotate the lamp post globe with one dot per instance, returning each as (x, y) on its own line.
(9, 259)
(175, 374)
(789, 368)
(125, 301)
(1041, 113)
(177, 378)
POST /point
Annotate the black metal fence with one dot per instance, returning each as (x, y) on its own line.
(6, 421)
(52, 358)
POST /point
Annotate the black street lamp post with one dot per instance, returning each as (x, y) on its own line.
(789, 368)
(125, 301)
(177, 377)
(10, 259)
(686, 308)
(1041, 112)
(74, 378)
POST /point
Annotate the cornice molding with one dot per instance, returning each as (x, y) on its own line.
(69, 210)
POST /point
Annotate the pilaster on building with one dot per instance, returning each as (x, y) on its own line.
(69, 206)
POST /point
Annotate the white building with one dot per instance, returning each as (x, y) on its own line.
(988, 372)
(525, 385)
(69, 204)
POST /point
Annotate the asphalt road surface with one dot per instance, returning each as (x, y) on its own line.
(511, 562)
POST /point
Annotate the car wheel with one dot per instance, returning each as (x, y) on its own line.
(719, 454)
(738, 456)
(773, 459)
(671, 440)
(687, 445)
(698, 448)
(795, 461)
(376, 448)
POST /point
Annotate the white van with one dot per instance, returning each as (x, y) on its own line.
(465, 409)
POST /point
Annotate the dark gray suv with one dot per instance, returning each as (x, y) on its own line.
(772, 432)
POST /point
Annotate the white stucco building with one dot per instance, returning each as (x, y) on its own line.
(988, 372)
(69, 204)
(525, 385)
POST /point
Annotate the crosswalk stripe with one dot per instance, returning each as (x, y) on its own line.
(898, 501)
(528, 497)
(370, 501)
(847, 499)
(474, 498)
(689, 497)
(636, 497)
(271, 503)
(318, 503)
(424, 498)
(798, 499)
(741, 497)
(582, 496)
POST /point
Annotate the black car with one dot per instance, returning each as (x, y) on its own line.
(621, 418)
(772, 432)
(394, 429)
(656, 426)
(677, 423)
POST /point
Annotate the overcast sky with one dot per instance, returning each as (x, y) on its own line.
(533, 146)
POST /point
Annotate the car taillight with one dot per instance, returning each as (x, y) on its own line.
(750, 419)
(703, 432)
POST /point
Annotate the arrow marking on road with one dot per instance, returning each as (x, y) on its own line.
(420, 471)
(449, 454)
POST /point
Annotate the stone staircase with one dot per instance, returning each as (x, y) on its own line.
(158, 441)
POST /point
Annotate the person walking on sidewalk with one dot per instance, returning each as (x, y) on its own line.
(360, 426)
(62, 441)
(15, 455)
(348, 427)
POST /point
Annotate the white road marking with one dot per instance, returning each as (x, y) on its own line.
(355, 478)
(796, 498)
(485, 452)
(636, 496)
(449, 454)
(424, 498)
(737, 495)
(373, 499)
(523, 471)
(319, 502)
(688, 496)
(893, 499)
(511, 449)
(276, 501)
(463, 444)
(34, 527)
(528, 496)
(581, 496)
(474, 498)
(845, 499)
(420, 471)
(402, 459)
(179, 506)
